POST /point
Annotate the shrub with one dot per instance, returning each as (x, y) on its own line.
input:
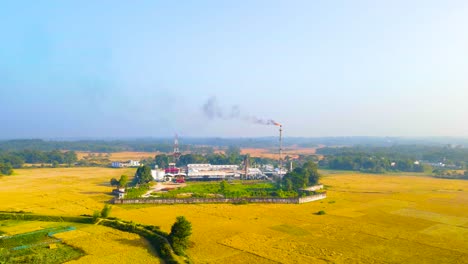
(321, 212)
(179, 236)
(106, 211)
(96, 216)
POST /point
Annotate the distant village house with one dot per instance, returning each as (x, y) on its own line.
(130, 163)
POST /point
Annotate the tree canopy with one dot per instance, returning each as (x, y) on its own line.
(122, 182)
(6, 169)
(301, 177)
(143, 174)
(180, 233)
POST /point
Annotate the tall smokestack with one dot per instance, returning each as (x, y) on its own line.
(280, 148)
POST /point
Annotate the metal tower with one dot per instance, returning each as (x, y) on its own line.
(176, 154)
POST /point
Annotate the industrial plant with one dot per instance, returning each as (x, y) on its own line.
(210, 172)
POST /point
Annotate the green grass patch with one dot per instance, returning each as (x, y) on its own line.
(230, 190)
(37, 247)
(41, 254)
(136, 192)
(46, 218)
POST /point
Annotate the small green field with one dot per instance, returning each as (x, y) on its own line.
(234, 189)
(38, 246)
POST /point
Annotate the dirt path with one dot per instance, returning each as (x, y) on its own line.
(159, 186)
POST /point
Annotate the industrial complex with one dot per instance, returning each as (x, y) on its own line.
(207, 172)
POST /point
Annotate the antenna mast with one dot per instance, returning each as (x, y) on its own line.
(176, 153)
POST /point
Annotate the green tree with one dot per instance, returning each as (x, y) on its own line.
(105, 212)
(6, 169)
(223, 186)
(70, 157)
(114, 182)
(311, 172)
(57, 156)
(191, 158)
(123, 181)
(161, 160)
(96, 216)
(55, 164)
(301, 177)
(180, 233)
(143, 174)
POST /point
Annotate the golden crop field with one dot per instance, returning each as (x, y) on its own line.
(59, 191)
(106, 245)
(293, 152)
(120, 156)
(369, 218)
(100, 244)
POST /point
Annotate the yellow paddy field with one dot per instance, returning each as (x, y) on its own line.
(369, 219)
(120, 156)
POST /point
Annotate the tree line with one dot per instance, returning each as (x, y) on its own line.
(230, 156)
(369, 163)
(15, 159)
(447, 154)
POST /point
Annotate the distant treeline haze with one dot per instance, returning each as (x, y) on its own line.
(408, 158)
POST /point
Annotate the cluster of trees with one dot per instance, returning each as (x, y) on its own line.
(95, 160)
(300, 177)
(120, 183)
(103, 146)
(369, 163)
(450, 155)
(231, 156)
(17, 158)
(6, 169)
(143, 175)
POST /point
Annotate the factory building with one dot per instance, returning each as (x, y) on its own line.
(171, 173)
(158, 174)
(212, 172)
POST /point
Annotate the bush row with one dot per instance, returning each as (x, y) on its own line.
(46, 218)
(156, 237)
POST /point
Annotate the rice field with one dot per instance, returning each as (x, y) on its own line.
(83, 244)
(120, 156)
(58, 191)
(368, 219)
(272, 153)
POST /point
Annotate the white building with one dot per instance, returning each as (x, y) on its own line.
(134, 163)
(254, 172)
(158, 174)
(130, 163)
(118, 164)
(212, 172)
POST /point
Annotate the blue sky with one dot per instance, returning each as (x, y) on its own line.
(146, 68)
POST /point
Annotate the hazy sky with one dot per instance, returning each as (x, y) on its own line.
(147, 68)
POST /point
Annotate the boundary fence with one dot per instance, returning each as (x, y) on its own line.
(297, 200)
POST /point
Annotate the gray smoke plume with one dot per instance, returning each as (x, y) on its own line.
(260, 121)
(213, 110)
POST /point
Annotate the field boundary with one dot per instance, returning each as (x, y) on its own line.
(298, 200)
